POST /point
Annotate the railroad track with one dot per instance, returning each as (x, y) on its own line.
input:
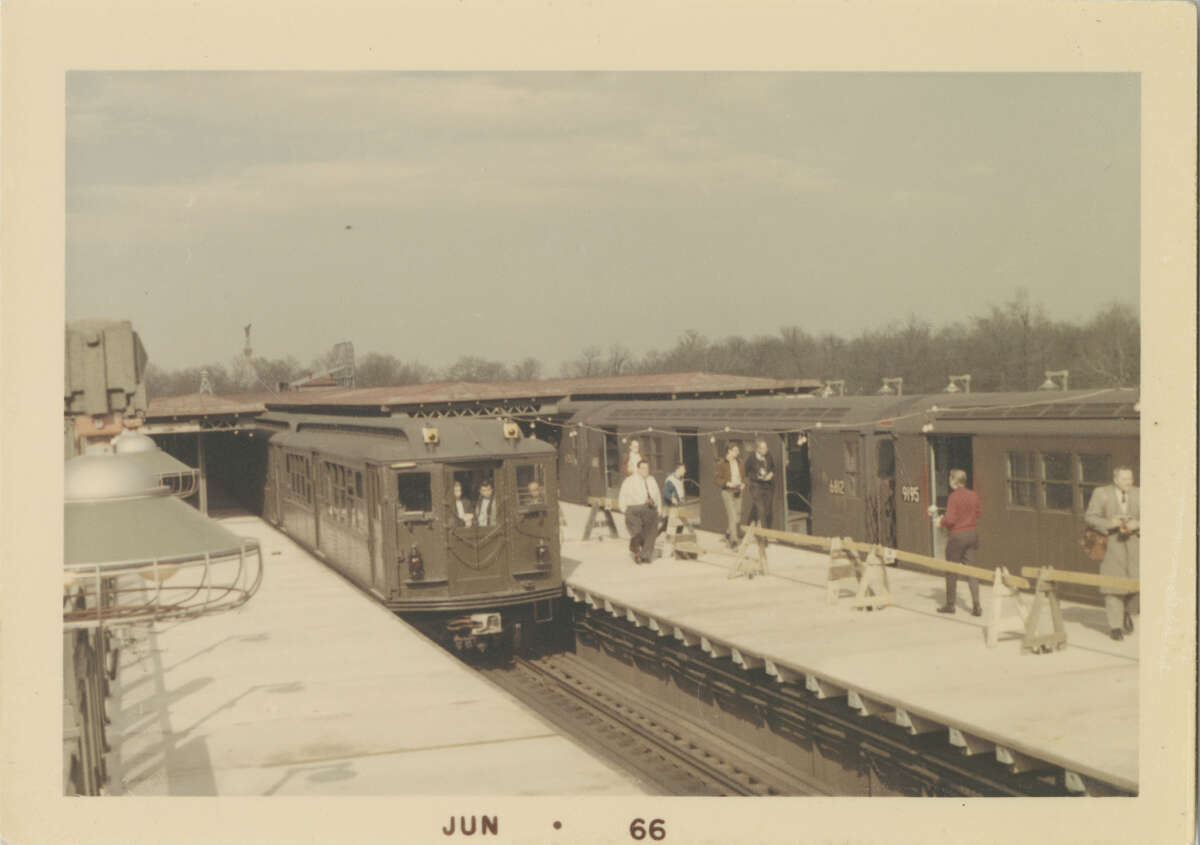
(667, 753)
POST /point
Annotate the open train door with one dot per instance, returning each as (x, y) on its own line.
(946, 452)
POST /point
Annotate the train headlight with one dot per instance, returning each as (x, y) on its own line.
(543, 554)
(416, 566)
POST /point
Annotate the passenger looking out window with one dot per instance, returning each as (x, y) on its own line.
(486, 508)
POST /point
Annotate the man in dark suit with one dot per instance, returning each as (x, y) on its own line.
(1115, 511)
(760, 479)
(485, 508)
(730, 477)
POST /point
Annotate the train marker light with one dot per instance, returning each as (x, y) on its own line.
(512, 431)
(416, 567)
(543, 554)
(430, 436)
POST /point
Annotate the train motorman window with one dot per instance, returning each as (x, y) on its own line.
(1056, 472)
(1022, 479)
(413, 494)
(531, 486)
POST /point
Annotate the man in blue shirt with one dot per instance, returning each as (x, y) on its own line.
(672, 491)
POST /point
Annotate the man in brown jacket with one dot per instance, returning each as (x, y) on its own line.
(731, 479)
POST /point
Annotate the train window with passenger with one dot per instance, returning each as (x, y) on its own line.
(414, 496)
(1022, 480)
(1058, 490)
(531, 486)
(1093, 472)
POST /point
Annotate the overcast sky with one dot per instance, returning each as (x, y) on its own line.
(531, 214)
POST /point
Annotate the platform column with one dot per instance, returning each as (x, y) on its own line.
(200, 465)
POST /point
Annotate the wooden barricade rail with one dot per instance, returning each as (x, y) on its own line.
(823, 543)
(1064, 576)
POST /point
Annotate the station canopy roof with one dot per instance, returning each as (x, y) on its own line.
(444, 394)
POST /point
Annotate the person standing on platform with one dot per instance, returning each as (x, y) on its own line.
(672, 490)
(730, 478)
(641, 501)
(633, 458)
(673, 495)
(760, 478)
(963, 510)
(1115, 511)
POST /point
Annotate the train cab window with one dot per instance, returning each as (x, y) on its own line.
(1093, 472)
(531, 486)
(1022, 480)
(414, 496)
(1057, 488)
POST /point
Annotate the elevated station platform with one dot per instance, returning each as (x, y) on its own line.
(1075, 709)
(314, 688)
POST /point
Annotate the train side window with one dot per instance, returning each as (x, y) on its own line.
(531, 486)
(1058, 490)
(414, 496)
(1022, 479)
(1093, 472)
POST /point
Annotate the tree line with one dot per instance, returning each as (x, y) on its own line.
(1008, 347)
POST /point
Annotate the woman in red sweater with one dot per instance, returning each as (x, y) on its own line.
(962, 516)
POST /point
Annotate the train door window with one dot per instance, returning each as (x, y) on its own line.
(689, 456)
(850, 465)
(651, 451)
(885, 458)
(1093, 472)
(1022, 480)
(612, 459)
(414, 495)
(531, 486)
(1057, 490)
(798, 478)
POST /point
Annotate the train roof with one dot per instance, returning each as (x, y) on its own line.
(1108, 409)
(399, 438)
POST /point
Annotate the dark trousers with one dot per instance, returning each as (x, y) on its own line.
(642, 523)
(762, 498)
(961, 548)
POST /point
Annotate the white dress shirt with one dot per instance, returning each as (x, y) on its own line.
(636, 490)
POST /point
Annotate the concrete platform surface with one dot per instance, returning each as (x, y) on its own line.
(1076, 708)
(314, 688)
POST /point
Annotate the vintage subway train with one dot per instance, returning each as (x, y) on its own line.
(375, 497)
(869, 467)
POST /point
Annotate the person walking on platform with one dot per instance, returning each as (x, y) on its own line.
(730, 478)
(641, 501)
(1115, 511)
(962, 518)
(760, 478)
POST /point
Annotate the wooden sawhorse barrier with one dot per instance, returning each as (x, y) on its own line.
(1045, 598)
(605, 505)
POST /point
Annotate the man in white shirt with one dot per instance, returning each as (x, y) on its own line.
(640, 501)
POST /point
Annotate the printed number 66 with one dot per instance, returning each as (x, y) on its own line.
(656, 831)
